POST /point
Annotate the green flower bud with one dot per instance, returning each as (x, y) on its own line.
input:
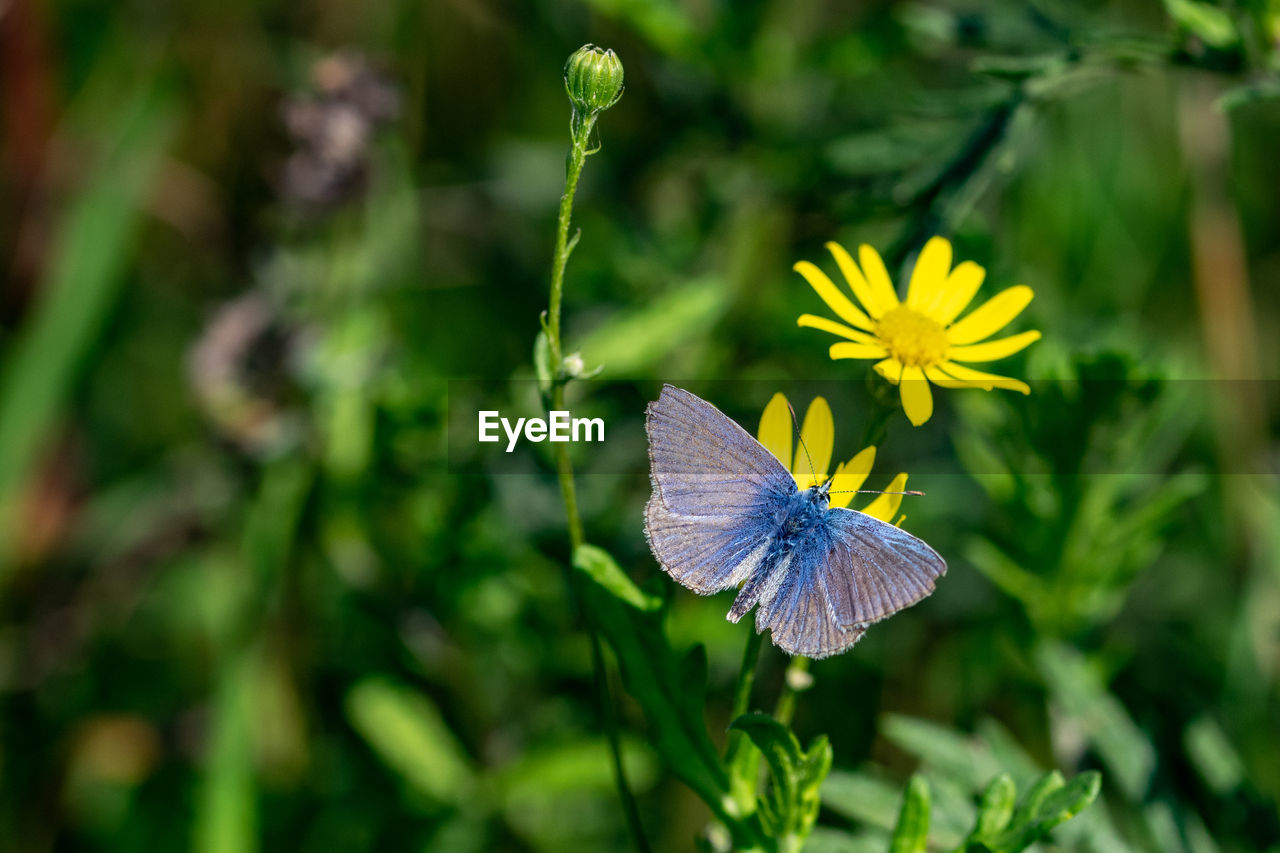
(593, 79)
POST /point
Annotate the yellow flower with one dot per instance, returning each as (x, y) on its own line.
(818, 433)
(920, 340)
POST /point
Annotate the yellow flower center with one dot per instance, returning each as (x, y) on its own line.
(912, 338)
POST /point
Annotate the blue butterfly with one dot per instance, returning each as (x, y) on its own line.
(725, 512)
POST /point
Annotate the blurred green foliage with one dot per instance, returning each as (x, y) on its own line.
(245, 604)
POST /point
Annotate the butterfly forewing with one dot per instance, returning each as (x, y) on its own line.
(717, 493)
(703, 463)
(705, 553)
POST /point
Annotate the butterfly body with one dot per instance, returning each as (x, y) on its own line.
(801, 517)
(725, 513)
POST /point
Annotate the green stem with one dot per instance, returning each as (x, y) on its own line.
(886, 403)
(581, 129)
(740, 756)
(581, 132)
(746, 678)
(797, 678)
(615, 744)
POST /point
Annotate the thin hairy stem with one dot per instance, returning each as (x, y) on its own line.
(581, 132)
(796, 679)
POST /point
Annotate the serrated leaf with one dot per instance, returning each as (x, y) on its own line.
(911, 835)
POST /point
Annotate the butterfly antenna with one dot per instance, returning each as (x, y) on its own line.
(912, 493)
(812, 470)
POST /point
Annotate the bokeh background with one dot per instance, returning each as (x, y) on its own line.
(245, 602)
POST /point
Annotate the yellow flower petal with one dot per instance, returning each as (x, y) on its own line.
(992, 316)
(886, 506)
(813, 321)
(850, 476)
(877, 277)
(986, 380)
(776, 430)
(890, 369)
(917, 399)
(835, 300)
(869, 298)
(958, 292)
(930, 273)
(991, 350)
(935, 375)
(852, 350)
(818, 436)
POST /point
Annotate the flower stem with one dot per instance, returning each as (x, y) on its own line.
(581, 131)
(884, 398)
(743, 759)
(581, 128)
(797, 678)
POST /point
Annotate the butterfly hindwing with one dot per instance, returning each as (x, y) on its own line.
(718, 494)
(849, 571)
(873, 569)
(797, 612)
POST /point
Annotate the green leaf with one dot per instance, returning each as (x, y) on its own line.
(782, 754)
(1045, 785)
(861, 798)
(1068, 801)
(1210, 24)
(226, 812)
(597, 564)
(1004, 572)
(956, 755)
(826, 840)
(796, 776)
(1007, 752)
(1212, 755)
(411, 737)
(272, 521)
(633, 341)
(912, 832)
(1079, 690)
(663, 685)
(996, 808)
(1049, 803)
(87, 268)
